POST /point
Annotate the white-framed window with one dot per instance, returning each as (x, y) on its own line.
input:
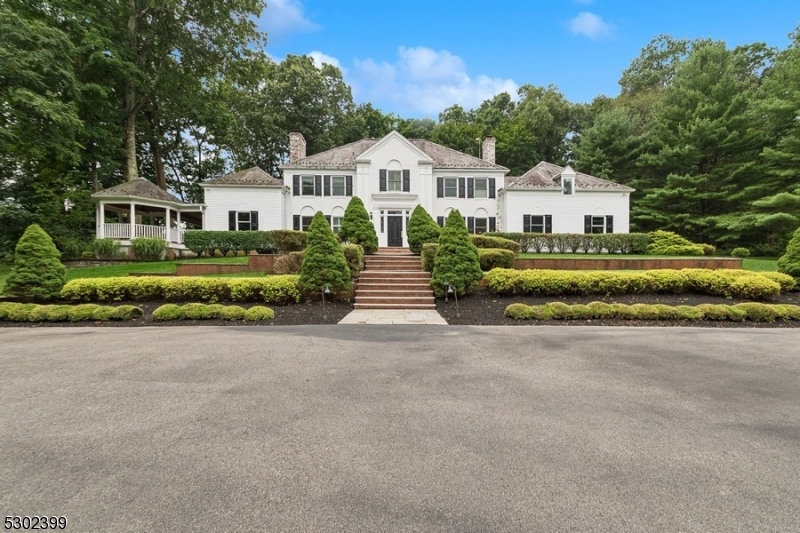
(537, 223)
(336, 223)
(481, 225)
(307, 185)
(599, 224)
(451, 187)
(305, 223)
(243, 222)
(394, 180)
(481, 188)
(569, 186)
(338, 186)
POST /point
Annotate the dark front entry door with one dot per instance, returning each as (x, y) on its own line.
(395, 227)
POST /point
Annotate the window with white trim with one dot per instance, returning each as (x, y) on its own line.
(568, 186)
(481, 225)
(481, 188)
(338, 186)
(307, 185)
(451, 187)
(305, 223)
(394, 180)
(537, 223)
(243, 222)
(599, 224)
(336, 224)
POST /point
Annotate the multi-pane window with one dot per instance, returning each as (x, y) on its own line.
(336, 223)
(481, 187)
(395, 180)
(481, 225)
(568, 186)
(338, 185)
(451, 187)
(307, 185)
(598, 224)
(537, 223)
(305, 223)
(243, 221)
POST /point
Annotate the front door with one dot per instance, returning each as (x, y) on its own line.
(395, 227)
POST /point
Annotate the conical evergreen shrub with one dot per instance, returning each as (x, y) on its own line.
(456, 261)
(37, 271)
(357, 228)
(324, 262)
(789, 263)
(421, 229)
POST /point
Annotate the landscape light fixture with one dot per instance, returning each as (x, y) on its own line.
(325, 290)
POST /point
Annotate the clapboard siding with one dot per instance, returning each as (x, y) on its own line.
(267, 201)
(567, 211)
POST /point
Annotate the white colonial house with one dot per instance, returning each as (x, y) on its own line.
(392, 175)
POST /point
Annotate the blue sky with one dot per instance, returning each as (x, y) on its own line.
(415, 57)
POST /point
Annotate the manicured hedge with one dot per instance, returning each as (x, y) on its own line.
(612, 243)
(272, 289)
(288, 240)
(197, 311)
(496, 258)
(786, 281)
(725, 282)
(487, 241)
(207, 242)
(753, 312)
(428, 255)
(17, 312)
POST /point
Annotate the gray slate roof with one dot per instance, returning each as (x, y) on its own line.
(344, 157)
(548, 176)
(138, 188)
(250, 176)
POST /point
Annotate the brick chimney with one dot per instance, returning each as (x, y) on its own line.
(297, 146)
(488, 150)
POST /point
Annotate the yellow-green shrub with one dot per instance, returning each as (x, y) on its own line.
(259, 312)
(17, 312)
(167, 312)
(786, 281)
(758, 312)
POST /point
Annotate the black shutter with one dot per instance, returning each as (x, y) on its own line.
(318, 185)
(471, 224)
(461, 187)
(440, 220)
(406, 181)
(526, 223)
(296, 222)
(491, 188)
(231, 220)
(470, 187)
(348, 185)
(587, 223)
(326, 185)
(382, 180)
(296, 185)
(492, 224)
(328, 218)
(548, 223)
(609, 223)
(254, 220)
(440, 188)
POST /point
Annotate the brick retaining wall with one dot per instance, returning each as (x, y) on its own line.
(202, 269)
(621, 263)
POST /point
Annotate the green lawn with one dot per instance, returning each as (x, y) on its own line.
(761, 264)
(155, 267)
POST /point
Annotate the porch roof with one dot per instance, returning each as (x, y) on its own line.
(141, 189)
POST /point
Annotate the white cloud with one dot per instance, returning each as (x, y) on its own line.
(320, 58)
(283, 17)
(425, 81)
(590, 25)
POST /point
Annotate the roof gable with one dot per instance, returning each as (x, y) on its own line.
(138, 188)
(395, 137)
(547, 176)
(252, 176)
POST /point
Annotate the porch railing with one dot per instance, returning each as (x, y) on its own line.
(123, 231)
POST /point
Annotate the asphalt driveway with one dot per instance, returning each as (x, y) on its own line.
(402, 428)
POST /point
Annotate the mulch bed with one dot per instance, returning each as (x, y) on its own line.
(480, 308)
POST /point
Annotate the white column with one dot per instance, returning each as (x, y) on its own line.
(101, 216)
(178, 227)
(133, 221)
(167, 236)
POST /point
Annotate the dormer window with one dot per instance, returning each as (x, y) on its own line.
(568, 185)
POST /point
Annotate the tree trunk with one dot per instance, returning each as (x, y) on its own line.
(131, 168)
(158, 164)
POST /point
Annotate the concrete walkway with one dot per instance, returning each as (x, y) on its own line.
(394, 316)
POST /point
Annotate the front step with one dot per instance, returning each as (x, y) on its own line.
(386, 292)
(395, 300)
(393, 279)
(393, 306)
(391, 274)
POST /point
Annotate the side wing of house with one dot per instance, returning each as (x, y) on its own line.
(240, 208)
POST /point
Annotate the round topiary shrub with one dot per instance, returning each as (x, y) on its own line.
(357, 228)
(456, 262)
(789, 262)
(259, 312)
(233, 312)
(421, 229)
(740, 252)
(168, 312)
(37, 270)
(324, 263)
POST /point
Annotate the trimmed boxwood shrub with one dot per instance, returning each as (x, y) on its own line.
(495, 258)
(357, 228)
(740, 252)
(197, 311)
(149, 248)
(670, 243)
(786, 281)
(486, 241)
(287, 240)
(613, 243)
(259, 312)
(16, 312)
(290, 263)
(725, 282)
(205, 242)
(106, 248)
(422, 229)
(324, 262)
(428, 255)
(456, 261)
(168, 312)
(789, 262)
(271, 289)
(37, 269)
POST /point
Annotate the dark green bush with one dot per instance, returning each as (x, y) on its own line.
(740, 252)
(354, 254)
(428, 255)
(149, 248)
(287, 240)
(456, 261)
(486, 241)
(37, 269)
(670, 243)
(72, 248)
(789, 262)
(421, 229)
(495, 258)
(357, 228)
(106, 248)
(324, 262)
(290, 263)
(203, 242)
(708, 249)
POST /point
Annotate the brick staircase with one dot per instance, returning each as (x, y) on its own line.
(393, 279)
